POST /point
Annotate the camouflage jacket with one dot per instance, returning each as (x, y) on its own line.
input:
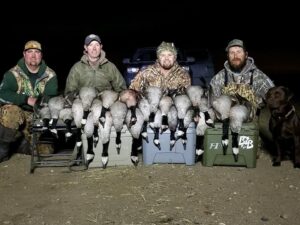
(259, 82)
(177, 79)
(105, 76)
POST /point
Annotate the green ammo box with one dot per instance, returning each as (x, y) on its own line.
(248, 144)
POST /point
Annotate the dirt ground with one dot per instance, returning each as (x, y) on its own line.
(155, 194)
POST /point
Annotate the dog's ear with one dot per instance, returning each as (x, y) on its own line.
(289, 95)
(268, 94)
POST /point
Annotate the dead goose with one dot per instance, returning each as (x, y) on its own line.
(55, 104)
(77, 110)
(87, 95)
(172, 122)
(144, 106)
(238, 115)
(108, 97)
(130, 98)
(118, 111)
(66, 116)
(201, 127)
(135, 131)
(153, 95)
(165, 104)
(221, 106)
(197, 96)
(104, 131)
(182, 104)
(96, 109)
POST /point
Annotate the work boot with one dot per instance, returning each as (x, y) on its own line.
(4, 151)
(21, 146)
(24, 147)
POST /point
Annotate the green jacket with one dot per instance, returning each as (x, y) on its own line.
(104, 77)
(18, 84)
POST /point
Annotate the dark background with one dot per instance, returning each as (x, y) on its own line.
(271, 34)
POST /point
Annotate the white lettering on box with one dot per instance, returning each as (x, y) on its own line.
(245, 142)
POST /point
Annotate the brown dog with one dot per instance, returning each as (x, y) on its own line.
(284, 124)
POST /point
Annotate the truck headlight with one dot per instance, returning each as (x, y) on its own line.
(132, 70)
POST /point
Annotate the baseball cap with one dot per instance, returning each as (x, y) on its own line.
(32, 45)
(90, 38)
(235, 42)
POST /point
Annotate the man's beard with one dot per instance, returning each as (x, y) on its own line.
(166, 66)
(237, 67)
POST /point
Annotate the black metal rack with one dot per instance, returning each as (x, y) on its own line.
(65, 157)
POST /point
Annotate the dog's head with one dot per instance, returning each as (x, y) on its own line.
(278, 98)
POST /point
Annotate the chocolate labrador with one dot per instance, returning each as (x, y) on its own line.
(284, 124)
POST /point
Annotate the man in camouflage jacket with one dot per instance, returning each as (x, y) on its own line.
(21, 86)
(240, 71)
(246, 86)
(165, 73)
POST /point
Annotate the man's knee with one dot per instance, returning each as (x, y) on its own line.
(11, 116)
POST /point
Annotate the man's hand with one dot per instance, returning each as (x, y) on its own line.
(38, 103)
(31, 101)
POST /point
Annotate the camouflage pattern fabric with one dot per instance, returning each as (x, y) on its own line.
(166, 46)
(251, 94)
(241, 91)
(177, 79)
(242, 94)
(27, 126)
(261, 82)
(13, 117)
(24, 85)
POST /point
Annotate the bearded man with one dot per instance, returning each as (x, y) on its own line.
(245, 85)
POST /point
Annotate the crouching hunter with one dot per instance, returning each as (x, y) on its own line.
(20, 88)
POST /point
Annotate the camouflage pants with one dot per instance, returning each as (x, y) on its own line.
(16, 119)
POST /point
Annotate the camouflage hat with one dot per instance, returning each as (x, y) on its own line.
(166, 46)
(235, 42)
(90, 38)
(32, 45)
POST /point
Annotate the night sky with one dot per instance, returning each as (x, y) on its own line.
(271, 36)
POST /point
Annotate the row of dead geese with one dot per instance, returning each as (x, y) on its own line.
(95, 113)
